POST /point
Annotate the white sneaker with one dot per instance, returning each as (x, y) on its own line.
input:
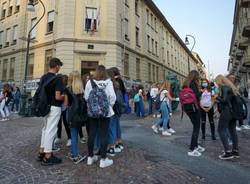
(117, 150)
(248, 127)
(68, 142)
(3, 119)
(166, 133)
(244, 127)
(238, 128)
(172, 131)
(161, 129)
(194, 153)
(200, 149)
(105, 162)
(92, 160)
(154, 115)
(57, 140)
(158, 115)
(155, 129)
(83, 140)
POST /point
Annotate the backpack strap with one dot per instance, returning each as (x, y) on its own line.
(49, 81)
(93, 84)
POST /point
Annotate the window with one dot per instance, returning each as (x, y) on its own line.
(5, 67)
(12, 68)
(149, 72)
(50, 24)
(1, 39)
(138, 72)
(163, 54)
(156, 48)
(155, 24)
(7, 41)
(147, 16)
(153, 47)
(30, 68)
(168, 58)
(137, 36)
(152, 20)
(153, 73)
(4, 7)
(14, 36)
(126, 65)
(48, 56)
(126, 3)
(148, 37)
(91, 19)
(157, 74)
(17, 8)
(126, 29)
(136, 7)
(10, 7)
(33, 32)
(167, 37)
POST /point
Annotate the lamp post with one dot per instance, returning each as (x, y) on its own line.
(187, 43)
(30, 8)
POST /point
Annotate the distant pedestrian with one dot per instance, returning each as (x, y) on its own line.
(55, 96)
(16, 100)
(5, 99)
(139, 103)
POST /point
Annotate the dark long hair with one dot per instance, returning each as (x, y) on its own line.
(114, 74)
(193, 76)
(100, 73)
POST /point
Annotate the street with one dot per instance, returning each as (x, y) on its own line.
(147, 157)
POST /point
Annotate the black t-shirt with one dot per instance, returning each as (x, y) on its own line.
(55, 85)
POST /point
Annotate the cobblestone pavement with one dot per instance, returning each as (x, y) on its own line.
(20, 140)
(18, 149)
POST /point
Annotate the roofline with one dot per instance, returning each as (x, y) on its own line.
(160, 15)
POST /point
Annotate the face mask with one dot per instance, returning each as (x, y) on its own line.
(204, 85)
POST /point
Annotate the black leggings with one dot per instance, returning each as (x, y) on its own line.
(210, 114)
(103, 125)
(195, 120)
(65, 123)
(226, 122)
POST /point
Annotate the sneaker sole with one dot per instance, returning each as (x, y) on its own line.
(236, 156)
(228, 158)
(105, 166)
(109, 154)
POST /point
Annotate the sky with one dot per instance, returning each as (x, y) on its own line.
(209, 21)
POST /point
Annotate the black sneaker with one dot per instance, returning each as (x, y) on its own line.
(226, 156)
(51, 161)
(235, 154)
(40, 157)
(111, 152)
(98, 153)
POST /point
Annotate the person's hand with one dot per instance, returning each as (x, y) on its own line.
(177, 99)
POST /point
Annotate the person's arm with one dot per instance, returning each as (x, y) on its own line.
(170, 97)
(111, 93)
(87, 90)
(224, 94)
(58, 90)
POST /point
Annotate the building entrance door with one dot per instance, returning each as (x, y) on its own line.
(88, 67)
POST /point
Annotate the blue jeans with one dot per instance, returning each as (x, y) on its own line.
(150, 105)
(140, 108)
(249, 121)
(165, 115)
(74, 142)
(114, 129)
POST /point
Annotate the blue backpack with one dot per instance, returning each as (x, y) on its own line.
(98, 104)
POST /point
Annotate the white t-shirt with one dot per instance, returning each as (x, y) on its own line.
(154, 92)
(206, 99)
(163, 95)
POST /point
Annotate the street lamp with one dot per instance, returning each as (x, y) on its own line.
(187, 43)
(30, 8)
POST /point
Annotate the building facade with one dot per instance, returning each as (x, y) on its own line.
(132, 35)
(201, 67)
(239, 61)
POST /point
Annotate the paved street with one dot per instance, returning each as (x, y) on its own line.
(147, 158)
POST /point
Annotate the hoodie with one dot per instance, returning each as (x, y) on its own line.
(107, 85)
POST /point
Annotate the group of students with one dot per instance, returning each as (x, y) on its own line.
(9, 101)
(96, 102)
(206, 99)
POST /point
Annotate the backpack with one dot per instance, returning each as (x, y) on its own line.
(136, 98)
(77, 111)
(239, 108)
(188, 100)
(9, 98)
(40, 104)
(98, 104)
(120, 106)
(206, 99)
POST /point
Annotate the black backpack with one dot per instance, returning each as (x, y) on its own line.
(120, 105)
(40, 103)
(239, 108)
(77, 111)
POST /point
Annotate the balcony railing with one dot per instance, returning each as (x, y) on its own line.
(246, 27)
(246, 59)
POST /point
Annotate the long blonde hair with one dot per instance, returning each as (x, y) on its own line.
(75, 82)
(222, 80)
(165, 86)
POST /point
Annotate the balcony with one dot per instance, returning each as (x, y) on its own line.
(246, 59)
(243, 46)
(239, 55)
(245, 3)
(242, 69)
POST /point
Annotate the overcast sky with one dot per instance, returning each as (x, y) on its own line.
(210, 22)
